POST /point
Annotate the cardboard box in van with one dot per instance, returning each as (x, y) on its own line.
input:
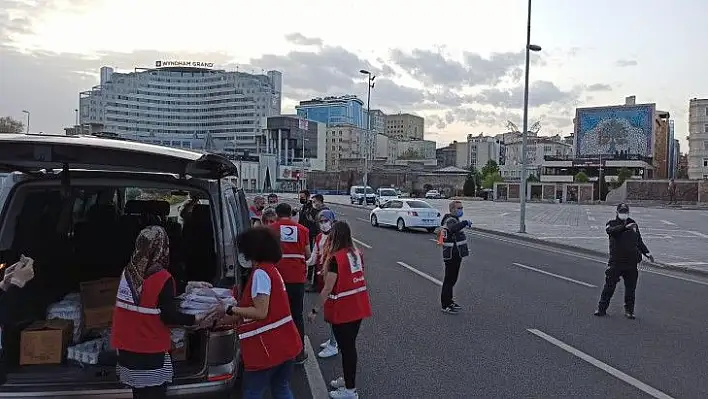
(45, 341)
(98, 298)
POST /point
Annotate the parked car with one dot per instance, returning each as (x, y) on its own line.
(51, 212)
(433, 194)
(406, 213)
(385, 194)
(360, 195)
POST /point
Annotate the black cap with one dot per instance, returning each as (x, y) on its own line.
(623, 208)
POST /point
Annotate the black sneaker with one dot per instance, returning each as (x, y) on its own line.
(600, 313)
(455, 306)
(629, 315)
(450, 310)
(301, 358)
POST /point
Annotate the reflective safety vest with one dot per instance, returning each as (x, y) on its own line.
(452, 242)
(274, 340)
(320, 241)
(349, 299)
(294, 238)
(137, 327)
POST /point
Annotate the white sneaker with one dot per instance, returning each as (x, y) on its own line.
(328, 351)
(338, 383)
(344, 393)
(324, 344)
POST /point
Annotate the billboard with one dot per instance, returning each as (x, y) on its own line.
(614, 132)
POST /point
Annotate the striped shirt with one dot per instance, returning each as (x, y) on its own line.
(137, 378)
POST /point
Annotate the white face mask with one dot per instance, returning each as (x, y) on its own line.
(325, 227)
(623, 216)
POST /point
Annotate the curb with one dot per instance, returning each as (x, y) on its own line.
(585, 251)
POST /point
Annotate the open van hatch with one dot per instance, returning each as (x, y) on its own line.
(27, 153)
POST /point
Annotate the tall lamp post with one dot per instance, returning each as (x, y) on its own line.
(76, 111)
(370, 85)
(522, 187)
(28, 119)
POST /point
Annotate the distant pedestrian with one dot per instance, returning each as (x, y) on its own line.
(318, 205)
(345, 300)
(307, 215)
(255, 211)
(672, 192)
(626, 250)
(454, 247)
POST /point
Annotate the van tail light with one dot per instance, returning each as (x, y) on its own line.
(220, 377)
(412, 213)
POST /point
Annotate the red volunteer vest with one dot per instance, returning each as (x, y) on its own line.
(274, 340)
(293, 241)
(137, 327)
(319, 244)
(349, 299)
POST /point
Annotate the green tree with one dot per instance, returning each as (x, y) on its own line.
(533, 178)
(9, 125)
(581, 177)
(492, 178)
(490, 168)
(472, 182)
(622, 175)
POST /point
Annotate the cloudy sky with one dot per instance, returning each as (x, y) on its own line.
(458, 63)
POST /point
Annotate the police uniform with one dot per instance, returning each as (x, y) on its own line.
(274, 340)
(626, 250)
(454, 248)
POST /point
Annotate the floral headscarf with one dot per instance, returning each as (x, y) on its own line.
(152, 253)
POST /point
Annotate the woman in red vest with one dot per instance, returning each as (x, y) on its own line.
(145, 306)
(266, 331)
(346, 303)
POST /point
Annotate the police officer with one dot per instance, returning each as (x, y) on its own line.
(626, 250)
(454, 244)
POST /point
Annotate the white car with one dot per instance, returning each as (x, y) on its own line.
(432, 194)
(384, 195)
(406, 213)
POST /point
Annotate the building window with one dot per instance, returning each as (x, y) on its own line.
(706, 111)
(705, 162)
(705, 128)
(705, 145)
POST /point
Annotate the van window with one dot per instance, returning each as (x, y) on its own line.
(359, 190)
(387, 192)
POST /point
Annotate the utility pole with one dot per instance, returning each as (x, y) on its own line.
(370, 85)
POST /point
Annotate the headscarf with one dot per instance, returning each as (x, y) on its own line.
(151, 254)
(327, 214)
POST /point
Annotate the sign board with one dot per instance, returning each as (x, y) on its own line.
(183, 64)
(302, 124)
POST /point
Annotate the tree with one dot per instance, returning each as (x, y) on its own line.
(533, 178)
(622, 175)
(492, 178)
(9, 125)
(472, 182)
(490, 168)
(581, 177)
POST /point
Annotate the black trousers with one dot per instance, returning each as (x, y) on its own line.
(346, 334)
(157, 392)
(629, 274)
(296, 295)
(452, 273)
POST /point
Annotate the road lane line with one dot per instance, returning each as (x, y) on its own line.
(601, 365)
(699, 234)
(363, 244)
(421, 274)
(315, 379)
(363, 220)
(555, 275)
(668, 223)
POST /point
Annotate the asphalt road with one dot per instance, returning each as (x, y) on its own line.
(527, 329)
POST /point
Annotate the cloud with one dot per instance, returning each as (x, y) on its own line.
(541, 92)
(599, 87)
(626, 63)
(300, 39)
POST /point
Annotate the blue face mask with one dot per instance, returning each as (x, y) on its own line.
(459, 213)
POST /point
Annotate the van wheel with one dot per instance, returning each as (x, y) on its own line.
(374, 221)
(401, 225)
(431, 229)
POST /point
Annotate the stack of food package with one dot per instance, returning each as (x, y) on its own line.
(69, 308)
(201, 298)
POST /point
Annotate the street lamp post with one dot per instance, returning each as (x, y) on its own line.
(28, 119)
(76, 111)
(522, 187)
(370, 85)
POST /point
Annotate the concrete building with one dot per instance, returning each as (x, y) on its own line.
(698, 138)
(538, 150)
(405, 126)
(412, 149)
(483, 149)
(295, 142)
(342, 142)
(341, 110)
(378, 121)
(183, 104)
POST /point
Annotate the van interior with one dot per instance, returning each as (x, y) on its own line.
(83, 233)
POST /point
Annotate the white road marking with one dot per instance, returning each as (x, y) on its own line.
(688, 279)
(555, 275)
(503, 214)
(699, 234)
(573, 238)
(591, 218)
(315, 379)
(363, 220)
(363, 244)
(688, 263)
(421, 274)
(668, 223)
(601, 365)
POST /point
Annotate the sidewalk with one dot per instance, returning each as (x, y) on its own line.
(677, 238)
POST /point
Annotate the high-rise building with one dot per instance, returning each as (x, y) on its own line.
(184, 104)
(340, 110)
(405, 126)
(698, 138)
(343, 141)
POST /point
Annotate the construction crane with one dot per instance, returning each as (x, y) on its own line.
(535, 128)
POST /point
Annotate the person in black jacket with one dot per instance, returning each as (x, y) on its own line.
(626, 250)
(454, 243)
